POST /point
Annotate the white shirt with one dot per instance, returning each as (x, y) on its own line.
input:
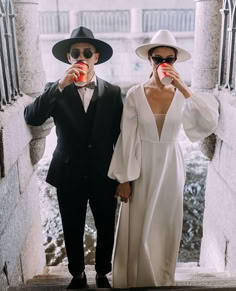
(85, 93)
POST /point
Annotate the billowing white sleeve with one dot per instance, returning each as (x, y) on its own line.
(126, 161)
(200, 116)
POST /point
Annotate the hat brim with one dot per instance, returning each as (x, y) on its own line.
(61, 48)
(142, 51)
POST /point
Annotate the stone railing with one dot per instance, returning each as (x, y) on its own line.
(109, 21)
(53, 22)
(173, 19)
(106, 20)
(9, 68)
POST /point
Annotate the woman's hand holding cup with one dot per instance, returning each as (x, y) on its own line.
(170, 71)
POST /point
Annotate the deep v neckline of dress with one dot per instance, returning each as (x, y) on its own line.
(159, 137)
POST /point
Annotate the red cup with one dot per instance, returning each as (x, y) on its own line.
(83, 78)
(164, 78)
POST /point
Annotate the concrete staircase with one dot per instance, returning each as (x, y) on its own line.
(189, 276)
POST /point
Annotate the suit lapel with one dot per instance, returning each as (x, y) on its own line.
(77, 97)
(75, 110)
(100, 108)
(94, 98)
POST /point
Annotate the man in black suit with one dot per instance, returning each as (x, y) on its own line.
(87, 123)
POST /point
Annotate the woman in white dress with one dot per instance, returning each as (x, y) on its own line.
(148, 163)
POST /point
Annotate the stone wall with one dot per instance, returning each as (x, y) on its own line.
(218, 248)
(21, 147)
(21, 247)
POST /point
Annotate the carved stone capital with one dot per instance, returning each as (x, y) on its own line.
(206, 0)
(207, 146)
(38, 142)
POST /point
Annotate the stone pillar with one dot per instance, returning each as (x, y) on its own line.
(32, 76)
(32, 81)
(73, 16)
(136, 23)
(207, 44)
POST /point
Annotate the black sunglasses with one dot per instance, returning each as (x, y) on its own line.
(159, 60)
(87, 52)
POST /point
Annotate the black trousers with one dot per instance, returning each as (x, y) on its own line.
(73, 206)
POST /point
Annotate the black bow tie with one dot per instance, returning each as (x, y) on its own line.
(90, 85)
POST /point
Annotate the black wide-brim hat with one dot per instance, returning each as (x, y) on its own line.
(82, 34)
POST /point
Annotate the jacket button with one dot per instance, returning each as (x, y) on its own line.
(90, 146)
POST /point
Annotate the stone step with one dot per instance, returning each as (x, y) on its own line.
(189, 276)
(177, 288)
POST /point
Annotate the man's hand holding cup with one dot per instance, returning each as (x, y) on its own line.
(71, 75)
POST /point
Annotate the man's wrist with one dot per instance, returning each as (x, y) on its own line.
(60, 89)
(60, 86)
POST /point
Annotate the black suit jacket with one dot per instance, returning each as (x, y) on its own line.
(78, 158)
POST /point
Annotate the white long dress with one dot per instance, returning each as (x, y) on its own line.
(150, 224)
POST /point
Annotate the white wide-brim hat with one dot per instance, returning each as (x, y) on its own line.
(162, 38)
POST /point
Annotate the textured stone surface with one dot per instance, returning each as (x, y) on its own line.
(204, 78)
(218, 248)
(225, 159)
(19, 225)
(17, 277)
(231, 258)
(207, 44)
(15, 134)
(37, 144)
(116, 5)
(33, 256)
(42, 130)
(188, 276)
(18, 213)
(3, 282)
(25, 169)
(214, 241)
(27, 27)
(207, 146)
(227, 123)
(9, 196)
(227, 168)
(219, 232)
(37, 148)
(21, 247)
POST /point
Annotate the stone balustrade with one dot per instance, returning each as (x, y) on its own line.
(134, 20)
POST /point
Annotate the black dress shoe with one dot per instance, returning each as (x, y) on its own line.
(102, 282)
(78, 283)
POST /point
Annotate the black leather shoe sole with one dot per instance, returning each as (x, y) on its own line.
(102, 282)
(77, 283)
